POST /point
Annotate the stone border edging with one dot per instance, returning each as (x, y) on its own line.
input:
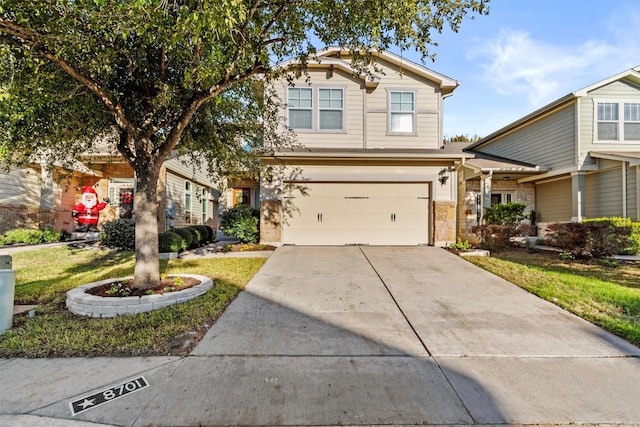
(84, 304)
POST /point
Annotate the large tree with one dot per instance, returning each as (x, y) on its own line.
(167, 75)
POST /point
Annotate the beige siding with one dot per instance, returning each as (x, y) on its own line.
(603, 194)
(616, 91)
(182, 167)
(375, 103)
(548, 142)
(20, 187)
(352, 135)
(553, 201)
(176, 195)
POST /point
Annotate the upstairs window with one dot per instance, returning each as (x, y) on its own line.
(613, 126)
(402, 112)
(632, 121)
(316, 109)
(300, 108)
(607, 121)
(330, 107)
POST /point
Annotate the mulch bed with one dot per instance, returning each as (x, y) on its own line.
(124, 288)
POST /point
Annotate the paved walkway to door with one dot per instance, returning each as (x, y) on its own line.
(361, 336)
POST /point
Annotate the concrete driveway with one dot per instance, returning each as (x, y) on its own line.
(378, 335)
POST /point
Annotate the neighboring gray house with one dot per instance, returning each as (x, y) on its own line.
(577, 157)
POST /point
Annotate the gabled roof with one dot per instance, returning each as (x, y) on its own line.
(483, 162)
(632, 74)
(331, 57)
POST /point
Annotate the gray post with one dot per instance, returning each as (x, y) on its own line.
(7, 290)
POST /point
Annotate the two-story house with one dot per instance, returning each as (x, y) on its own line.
(373, 168)
(577, 157)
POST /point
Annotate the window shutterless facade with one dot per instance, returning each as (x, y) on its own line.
(402, 112)
(611, 125)
(316, 109)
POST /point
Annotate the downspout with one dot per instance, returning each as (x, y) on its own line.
(624, 189)
(365, 129)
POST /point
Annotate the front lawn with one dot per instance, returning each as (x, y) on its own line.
(44, 276)
(608, 296)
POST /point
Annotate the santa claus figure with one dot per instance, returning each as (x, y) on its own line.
(87, 211)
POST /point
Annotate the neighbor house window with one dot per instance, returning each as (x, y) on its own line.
(608, 121)
(632, 121)
(187, 202)
(402, 112)
(205, 201)
(316, 109)
(300, 108)
(618, 121)
(330, 107)
(498, 198)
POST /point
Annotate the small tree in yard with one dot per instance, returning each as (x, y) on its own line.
(166, 75)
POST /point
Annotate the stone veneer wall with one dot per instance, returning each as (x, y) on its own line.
(13, 217)
(271, 221)
(444, 214)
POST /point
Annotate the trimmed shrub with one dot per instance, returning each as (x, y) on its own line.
(187, 237)
(494, 237)
(169, 241)
(594, 239)
(211, 236)
(197, 235)
(633, 242)
(506, 214)
(241, 222)
(119, 234)
(203, 234)
(29, 236)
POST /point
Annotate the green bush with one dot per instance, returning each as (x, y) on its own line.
(241, 222)
(203, 233)
(169, 241)
(506, 214)
(187, 237)
(119, 234)
(633, 242)
(29, 236)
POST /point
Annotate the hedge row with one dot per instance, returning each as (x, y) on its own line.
(596, 238)
(31, 236)
(120, 234)
(179, 239)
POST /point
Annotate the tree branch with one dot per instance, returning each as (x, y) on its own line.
(33, 40)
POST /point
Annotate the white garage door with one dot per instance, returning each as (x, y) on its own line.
(357, 213)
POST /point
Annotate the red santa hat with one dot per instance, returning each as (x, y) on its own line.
(88, 189)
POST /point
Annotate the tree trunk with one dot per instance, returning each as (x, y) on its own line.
(147, 268)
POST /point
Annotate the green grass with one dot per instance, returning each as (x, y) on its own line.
(44, 276)
(606, 296)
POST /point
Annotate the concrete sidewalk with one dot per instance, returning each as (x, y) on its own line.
(353, 336)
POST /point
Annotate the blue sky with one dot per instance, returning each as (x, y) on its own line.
(527, 53)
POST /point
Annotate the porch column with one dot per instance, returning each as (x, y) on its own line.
(577, 192)
(47, 208)
(485, 194)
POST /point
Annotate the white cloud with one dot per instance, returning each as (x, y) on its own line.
(515, 63)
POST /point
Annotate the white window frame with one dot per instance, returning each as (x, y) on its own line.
(205, 203)
(620, 121)
(316, 110)
(331, 108)
(505, 197)
(188, 202)
(391, 112)
(299, 108)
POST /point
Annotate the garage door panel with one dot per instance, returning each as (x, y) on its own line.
(358, 213)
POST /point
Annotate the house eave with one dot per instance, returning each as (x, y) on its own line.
(369, 154)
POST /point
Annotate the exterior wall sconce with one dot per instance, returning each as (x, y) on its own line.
(443, 175)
